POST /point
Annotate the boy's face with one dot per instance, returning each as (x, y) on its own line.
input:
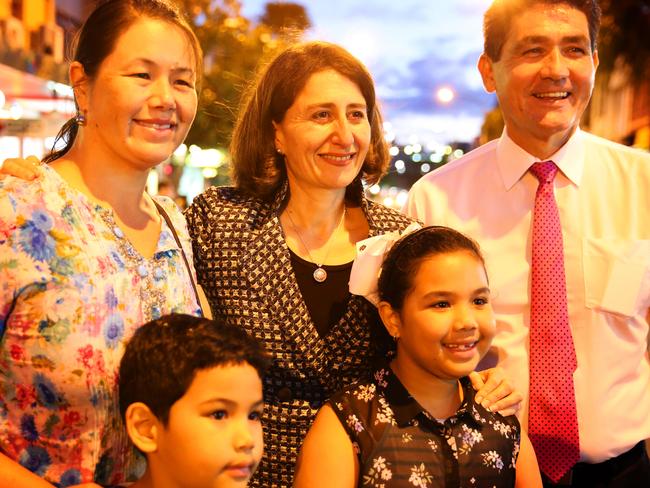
(214, 435)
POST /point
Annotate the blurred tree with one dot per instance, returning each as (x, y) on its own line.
(492, 126)
(233, 47)
(624, 34)
(284, 17)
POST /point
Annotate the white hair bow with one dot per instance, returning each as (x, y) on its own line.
(367, 264)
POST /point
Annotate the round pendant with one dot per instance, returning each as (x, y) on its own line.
(320, 274)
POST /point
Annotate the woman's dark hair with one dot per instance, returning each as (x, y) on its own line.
(98, 36)
(257, 168)
(498, 19)
(164, 355)
(404, 258)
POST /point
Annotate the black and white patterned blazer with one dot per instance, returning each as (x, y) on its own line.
(243, 264)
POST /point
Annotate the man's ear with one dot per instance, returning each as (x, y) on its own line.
(142, 426)
(391, 319)
(79, 82)
(595, 59)
(487, 73)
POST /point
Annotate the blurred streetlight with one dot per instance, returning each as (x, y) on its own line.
(445, 95)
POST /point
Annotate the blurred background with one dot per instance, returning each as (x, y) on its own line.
(422, 55)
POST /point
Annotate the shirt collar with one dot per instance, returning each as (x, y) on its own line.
(406, 408)
(513, 161)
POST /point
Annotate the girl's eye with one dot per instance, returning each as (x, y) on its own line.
(441, 304)
(219, 414)
(256, 416)
(358, 114)
(481, 301)
(144, 76)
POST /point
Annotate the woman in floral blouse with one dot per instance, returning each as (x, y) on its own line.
(415, 422)
(86, 255)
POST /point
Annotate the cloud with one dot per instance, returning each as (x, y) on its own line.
(412, 47)
(414, 90)
(380, 11)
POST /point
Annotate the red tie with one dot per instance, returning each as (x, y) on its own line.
(553, 423)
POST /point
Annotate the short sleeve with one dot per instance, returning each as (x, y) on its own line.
(25, 247)
(359, 409)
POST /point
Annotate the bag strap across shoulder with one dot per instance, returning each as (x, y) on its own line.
(162, 212)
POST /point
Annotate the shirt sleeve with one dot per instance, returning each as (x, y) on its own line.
(356, 408)
(25, 244)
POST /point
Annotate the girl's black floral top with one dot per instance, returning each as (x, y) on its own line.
(400, 445)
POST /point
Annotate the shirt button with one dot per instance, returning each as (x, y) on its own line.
(158, 274)
(142, 270)
(118, 232)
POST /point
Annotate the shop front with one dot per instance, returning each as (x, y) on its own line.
(31, 112)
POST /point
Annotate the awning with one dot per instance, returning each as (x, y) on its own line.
(33, 107)
(28, 97)
(18, 84)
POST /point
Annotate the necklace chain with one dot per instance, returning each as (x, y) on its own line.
(320, 274)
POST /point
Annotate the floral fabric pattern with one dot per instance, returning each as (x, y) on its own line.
(72, 292)
(400, 445)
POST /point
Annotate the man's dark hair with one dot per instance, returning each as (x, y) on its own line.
(498, 19)
(164, 355)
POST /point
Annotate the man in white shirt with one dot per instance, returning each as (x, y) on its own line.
(540, 58)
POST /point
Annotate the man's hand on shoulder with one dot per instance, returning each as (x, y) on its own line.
(495, 392)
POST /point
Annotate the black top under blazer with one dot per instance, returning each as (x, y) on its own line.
(243, 264)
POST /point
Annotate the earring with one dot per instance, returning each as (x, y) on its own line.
(80, 119)
(279, 151)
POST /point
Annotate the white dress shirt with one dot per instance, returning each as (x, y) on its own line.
(603, 195)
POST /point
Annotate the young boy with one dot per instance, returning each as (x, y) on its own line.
(190, 394)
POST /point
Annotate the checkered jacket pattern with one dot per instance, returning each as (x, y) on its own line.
(243, 264)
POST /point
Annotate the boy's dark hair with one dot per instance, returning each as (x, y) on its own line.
(404, 258)
(164, 355)
(499, 17)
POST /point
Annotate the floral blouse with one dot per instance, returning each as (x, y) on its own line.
(400, 445)
(72, 292)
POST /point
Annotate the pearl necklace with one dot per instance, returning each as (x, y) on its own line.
(320, 274)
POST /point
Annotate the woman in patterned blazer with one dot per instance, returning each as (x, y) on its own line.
(274, 253)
